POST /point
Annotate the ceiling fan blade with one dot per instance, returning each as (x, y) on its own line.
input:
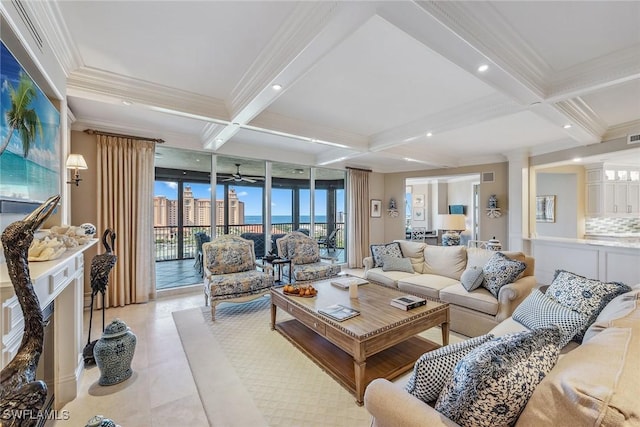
(228, 179)
(247, 179)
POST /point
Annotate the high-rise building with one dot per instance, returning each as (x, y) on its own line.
(196, 211)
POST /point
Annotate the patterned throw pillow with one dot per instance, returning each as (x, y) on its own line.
(499, 271)
(586, 296)
(472, 278)
(433, 369)
(392, 263)
(378, 251)
(492, 384)
(538, 311)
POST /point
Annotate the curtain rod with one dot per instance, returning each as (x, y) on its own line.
(358, 169)
(142, 138)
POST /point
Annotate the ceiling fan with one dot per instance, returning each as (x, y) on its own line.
(237, 177)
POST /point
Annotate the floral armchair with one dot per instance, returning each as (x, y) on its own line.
(304, 253)
(230, 273)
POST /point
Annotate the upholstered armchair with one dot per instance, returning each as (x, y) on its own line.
(230, 273)
(306, 262)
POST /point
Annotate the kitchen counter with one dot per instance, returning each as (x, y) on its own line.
(622, 243)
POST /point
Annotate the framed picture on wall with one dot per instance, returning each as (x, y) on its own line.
(376, 208)
(418, 214)
(545, 208)
(418, 200)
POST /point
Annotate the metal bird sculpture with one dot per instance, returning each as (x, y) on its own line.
(21, 396)
(101, 266)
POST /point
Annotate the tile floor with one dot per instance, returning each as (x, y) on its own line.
(161, 391)
(170, 274)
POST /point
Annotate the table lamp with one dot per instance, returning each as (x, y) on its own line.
(453, 225)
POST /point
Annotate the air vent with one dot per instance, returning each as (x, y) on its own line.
(488, 177)
(633, 139)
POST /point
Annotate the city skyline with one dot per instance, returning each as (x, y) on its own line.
(252, 197)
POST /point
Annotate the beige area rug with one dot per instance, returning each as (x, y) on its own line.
(249, 375)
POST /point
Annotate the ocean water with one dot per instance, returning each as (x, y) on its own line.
(23, 179)
(282, 219)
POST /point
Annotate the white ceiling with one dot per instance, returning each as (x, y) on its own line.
(363, 82)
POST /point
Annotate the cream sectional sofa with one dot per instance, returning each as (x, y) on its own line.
(596, 383)
(436, 273)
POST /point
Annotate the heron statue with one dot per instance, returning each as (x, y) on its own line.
(21, 396)
(101, 266)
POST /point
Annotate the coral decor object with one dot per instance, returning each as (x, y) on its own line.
(21, 396)
(58, 239)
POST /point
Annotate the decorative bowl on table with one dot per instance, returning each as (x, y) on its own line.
(305, 291)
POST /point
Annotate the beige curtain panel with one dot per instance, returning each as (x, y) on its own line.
(125, 204)
(358, 218)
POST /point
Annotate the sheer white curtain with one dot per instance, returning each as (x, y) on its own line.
(125, 204)
(358, 219)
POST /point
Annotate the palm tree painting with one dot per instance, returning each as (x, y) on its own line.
(29, 135)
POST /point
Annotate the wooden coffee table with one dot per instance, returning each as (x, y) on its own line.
(379, 343)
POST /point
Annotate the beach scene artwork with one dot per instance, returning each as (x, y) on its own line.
(29, 136)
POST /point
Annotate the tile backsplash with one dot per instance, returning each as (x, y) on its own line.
(612, 225)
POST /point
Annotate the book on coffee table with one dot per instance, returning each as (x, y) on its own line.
(344, 282)
(407, 302)
(339, 312)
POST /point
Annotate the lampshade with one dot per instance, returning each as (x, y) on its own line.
(452, 222)
(76, 161)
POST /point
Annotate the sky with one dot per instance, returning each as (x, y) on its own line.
(252, 197)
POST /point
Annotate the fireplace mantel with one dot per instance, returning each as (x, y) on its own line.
(60, 281)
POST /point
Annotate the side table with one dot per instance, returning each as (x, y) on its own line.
(277, 264)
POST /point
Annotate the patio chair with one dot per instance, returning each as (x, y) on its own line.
(231, 274)
(329, 242)
(200, 238)
(306, 262)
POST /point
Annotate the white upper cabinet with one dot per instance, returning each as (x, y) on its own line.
(612, 190)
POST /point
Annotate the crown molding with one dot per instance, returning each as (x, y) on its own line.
(580, 112)
(56, 34)
(622, 130)
(608, 70)
(104, 85)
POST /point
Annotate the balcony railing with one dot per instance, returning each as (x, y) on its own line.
(166, 237)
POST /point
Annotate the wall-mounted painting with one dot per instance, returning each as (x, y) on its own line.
(456, 209)
(376, 208)
(418, 214)
(545, 208)
(29, 136)
(418, 200)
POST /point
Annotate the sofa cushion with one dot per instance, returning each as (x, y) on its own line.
(388, 278)
(433, 369)
(492, 383)
(479, 299)
(415, 252)
(623, 308)
(391, 263)
(425, 284)
(499, 271)
(448, 261)
(586, 296)
(378, 251)
(596, 384)
(537, 311)
(472, 278)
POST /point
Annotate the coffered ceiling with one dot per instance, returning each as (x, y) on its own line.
(363, 83)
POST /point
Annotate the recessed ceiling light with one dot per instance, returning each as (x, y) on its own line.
(577, 159)
(125, 102)
(219, 140)
(567, 126)
(483, 68)
(276, 87)
(429, 134)
(313, 140)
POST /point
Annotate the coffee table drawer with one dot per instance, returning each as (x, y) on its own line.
(307, 319)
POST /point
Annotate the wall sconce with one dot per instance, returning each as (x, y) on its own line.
(493, 211)
(76, 162)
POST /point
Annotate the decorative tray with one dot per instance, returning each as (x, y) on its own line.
(294, 291)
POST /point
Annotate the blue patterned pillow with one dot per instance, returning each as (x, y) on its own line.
(586, 296)
(472, 278)
(538, 311)
(499, 271)
(390, 249)
(433, 369)
(492, 384)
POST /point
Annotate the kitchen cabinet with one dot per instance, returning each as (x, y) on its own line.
(612, 191)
